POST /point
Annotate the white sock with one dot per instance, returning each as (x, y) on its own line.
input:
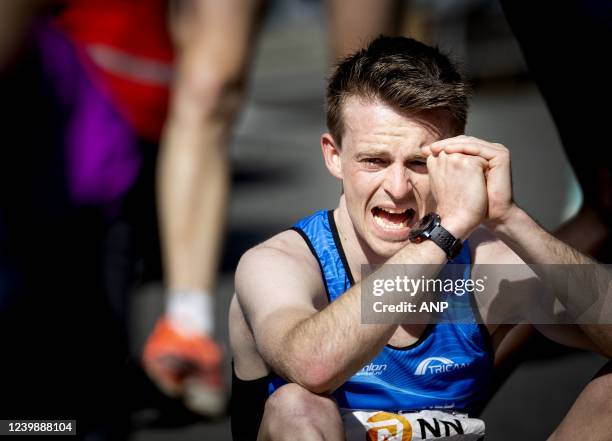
(191, 311)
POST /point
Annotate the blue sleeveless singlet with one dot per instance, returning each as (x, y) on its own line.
(449, 367)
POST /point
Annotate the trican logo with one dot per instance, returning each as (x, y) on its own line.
(437, 365)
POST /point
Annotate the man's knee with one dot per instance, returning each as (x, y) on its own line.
(599, 389)
(293, 409)
(299, 402)
(216, 93)
(591, 412)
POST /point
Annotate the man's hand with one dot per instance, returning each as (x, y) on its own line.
(497, 171)
(459, 188)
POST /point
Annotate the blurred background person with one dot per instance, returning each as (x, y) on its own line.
(85, 89)
(567, 63)
(213, 44)
(78, 130)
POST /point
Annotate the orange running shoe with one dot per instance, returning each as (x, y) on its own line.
(187, 366)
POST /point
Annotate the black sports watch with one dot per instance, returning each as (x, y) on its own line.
(429, 228)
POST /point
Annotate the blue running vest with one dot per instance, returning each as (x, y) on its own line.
(449, 367)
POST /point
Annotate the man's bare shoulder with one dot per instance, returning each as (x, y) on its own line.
(287, 246)
(285, 255)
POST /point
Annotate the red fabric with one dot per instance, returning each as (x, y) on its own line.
(135, 27)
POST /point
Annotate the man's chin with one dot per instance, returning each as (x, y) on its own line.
(387, 248)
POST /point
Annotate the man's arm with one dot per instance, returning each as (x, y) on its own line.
(531, 243)
(534, 245)
(314, 346)
(516, 294)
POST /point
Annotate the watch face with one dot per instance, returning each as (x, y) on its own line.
(416, 235)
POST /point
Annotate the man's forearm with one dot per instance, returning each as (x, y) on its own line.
(324, 350)
(536, 246)
(533, 244)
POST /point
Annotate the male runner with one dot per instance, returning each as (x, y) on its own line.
(304, 362)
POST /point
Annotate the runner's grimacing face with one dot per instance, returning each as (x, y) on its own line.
(384, 172)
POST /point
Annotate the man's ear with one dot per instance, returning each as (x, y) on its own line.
(331, 154)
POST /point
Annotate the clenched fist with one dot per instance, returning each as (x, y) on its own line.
(497, 170)
(459, 187)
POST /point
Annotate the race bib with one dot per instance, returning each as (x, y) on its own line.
(414, 426)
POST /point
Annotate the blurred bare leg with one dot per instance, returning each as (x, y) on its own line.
(353, 23)
(214, 44)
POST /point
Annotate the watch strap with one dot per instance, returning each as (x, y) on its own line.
(445, 240)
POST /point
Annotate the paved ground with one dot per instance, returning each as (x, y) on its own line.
(279, 177)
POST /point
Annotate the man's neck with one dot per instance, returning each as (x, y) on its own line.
(357, 253)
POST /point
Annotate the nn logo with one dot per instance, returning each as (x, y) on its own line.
(432, 425)
(437, 365)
